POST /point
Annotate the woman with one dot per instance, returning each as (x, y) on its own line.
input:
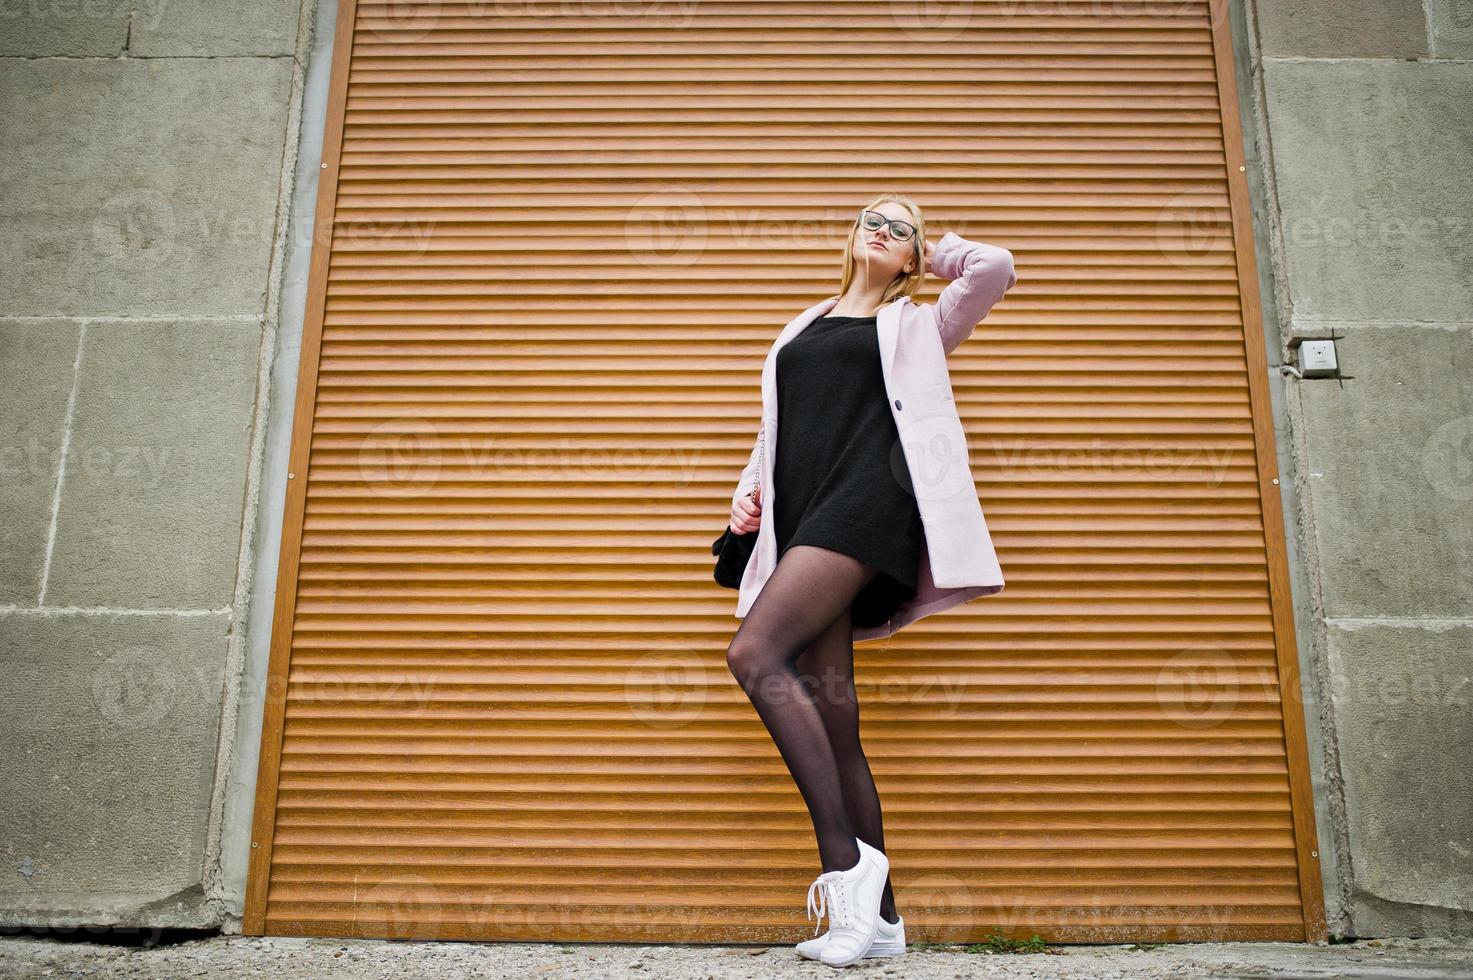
(866, 533)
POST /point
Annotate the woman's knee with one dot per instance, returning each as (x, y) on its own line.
(745, 657)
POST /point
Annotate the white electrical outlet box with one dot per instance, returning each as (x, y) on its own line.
(1317, 358)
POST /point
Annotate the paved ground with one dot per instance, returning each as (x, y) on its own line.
(324, 959)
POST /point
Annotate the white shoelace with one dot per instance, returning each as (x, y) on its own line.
(825, 896)
(818, 901)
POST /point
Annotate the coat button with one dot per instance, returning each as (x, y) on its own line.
(897, 403)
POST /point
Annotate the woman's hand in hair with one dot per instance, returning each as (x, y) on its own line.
(746, 513)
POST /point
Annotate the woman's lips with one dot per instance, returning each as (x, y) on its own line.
(879, 245)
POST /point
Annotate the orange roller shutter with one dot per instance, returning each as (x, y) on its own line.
(553, 251)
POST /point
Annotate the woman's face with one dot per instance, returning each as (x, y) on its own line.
(878, 250)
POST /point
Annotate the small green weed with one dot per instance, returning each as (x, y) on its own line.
(998, 943)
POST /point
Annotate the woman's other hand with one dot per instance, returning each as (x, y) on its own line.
(746, 513)
(928, 251)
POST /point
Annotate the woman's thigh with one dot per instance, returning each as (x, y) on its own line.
(828, 662)
(807, 593)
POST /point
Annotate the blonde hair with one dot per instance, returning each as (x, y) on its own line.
(904, 284)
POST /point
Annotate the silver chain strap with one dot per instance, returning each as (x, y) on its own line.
(761, 448)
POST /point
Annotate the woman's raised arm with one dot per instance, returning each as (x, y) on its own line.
(979, 274)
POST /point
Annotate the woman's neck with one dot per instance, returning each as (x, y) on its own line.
(861, 304)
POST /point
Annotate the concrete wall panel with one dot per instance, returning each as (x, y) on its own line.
(109, 726)
(1374, 167)
(37, 359)
(139, 187)
(154, 489)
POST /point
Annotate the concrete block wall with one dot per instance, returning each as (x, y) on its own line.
(1364, 124)
(145, 165)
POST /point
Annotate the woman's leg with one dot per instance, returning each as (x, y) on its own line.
(828, 667)
(809, 589)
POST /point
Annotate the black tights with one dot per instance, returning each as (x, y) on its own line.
(793, 655)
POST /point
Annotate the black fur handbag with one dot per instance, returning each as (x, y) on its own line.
(733, 550)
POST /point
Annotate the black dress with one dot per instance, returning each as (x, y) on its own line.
(840, 479)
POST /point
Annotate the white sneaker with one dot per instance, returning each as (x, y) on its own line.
(889, 941)
(851, 898)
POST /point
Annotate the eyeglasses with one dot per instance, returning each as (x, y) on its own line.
(899, 230)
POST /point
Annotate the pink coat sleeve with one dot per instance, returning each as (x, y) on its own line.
(979, 275)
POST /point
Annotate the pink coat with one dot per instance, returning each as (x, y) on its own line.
(957, 562)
